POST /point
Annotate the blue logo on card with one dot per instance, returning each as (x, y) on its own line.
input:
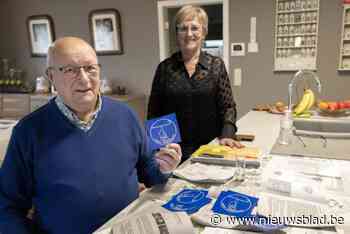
(162, 131)
(235, 204)
(188, 200)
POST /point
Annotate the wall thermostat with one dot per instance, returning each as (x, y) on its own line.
(237, 49)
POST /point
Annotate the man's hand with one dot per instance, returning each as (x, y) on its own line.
(169, 157)
(230, 142)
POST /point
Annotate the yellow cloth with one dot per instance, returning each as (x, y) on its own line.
(228, 152)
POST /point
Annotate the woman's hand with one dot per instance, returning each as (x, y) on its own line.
(230, 142)
(169, 157)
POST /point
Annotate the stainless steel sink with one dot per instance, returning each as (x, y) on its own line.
(318, 137)
(325, 127)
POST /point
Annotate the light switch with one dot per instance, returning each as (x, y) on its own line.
(237, 77)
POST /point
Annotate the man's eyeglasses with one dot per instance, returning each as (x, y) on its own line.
(182, 29)
(71, 71)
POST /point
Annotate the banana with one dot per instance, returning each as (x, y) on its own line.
(312, 99)
(305, 114)
(303, 104)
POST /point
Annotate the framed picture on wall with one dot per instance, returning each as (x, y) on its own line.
(41, 34)
(105, 29)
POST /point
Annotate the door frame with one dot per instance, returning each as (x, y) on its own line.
(163, 26)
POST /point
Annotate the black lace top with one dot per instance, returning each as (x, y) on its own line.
(203, 103)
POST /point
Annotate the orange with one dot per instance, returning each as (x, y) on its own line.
(323, 105)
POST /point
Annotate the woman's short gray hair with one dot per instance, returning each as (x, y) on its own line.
(192, 12)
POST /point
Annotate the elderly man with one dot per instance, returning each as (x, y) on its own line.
(78, 158)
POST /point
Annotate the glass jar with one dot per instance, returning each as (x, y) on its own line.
(281, 19)
(291, 29)
(279, 42)
(292, 5)
(286, 129)
(313, 40)
(291, 18)
(291, 41)
(308, 17)
(279, 53)
(286, 6)
(313, 28)
(5, 66)
(280, 6)
(280, 30)
(286, 18)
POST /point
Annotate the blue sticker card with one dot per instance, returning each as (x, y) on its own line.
(188, 200)
(162, 131)
(235, 204)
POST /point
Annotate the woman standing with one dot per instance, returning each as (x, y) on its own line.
(195, 86)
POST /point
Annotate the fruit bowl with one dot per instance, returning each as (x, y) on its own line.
(334, 108)
(334, 113)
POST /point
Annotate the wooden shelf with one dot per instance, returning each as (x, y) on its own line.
(298, 23)
(298, 11)
(345, 40)
(301, 22)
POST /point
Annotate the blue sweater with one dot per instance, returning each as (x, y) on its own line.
(76, 180)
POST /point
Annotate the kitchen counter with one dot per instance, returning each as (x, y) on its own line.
(265, 127)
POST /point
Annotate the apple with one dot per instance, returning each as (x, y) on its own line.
(347, 103)
(341, 105)
(332, 106)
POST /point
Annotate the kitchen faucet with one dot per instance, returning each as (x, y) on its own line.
(286, 124)
(297, 76)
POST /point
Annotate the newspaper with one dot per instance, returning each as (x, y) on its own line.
(295, 212)
(204, 173)
(305, 179)
(151, 219)
(212, 230)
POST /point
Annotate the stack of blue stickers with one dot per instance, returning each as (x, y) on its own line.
(235, 204)
(162, 131)
(188, 200)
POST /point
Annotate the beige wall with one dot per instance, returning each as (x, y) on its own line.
(5, 29)
(139, 30)
(260, 84)
(140, 37)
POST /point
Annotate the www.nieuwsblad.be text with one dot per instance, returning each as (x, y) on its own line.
(217, 219)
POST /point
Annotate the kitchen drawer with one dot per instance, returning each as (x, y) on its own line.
(15, 105)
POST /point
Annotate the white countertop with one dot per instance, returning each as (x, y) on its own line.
(265, 127)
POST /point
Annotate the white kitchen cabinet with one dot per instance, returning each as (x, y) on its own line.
(296, 34)
(344, 55)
